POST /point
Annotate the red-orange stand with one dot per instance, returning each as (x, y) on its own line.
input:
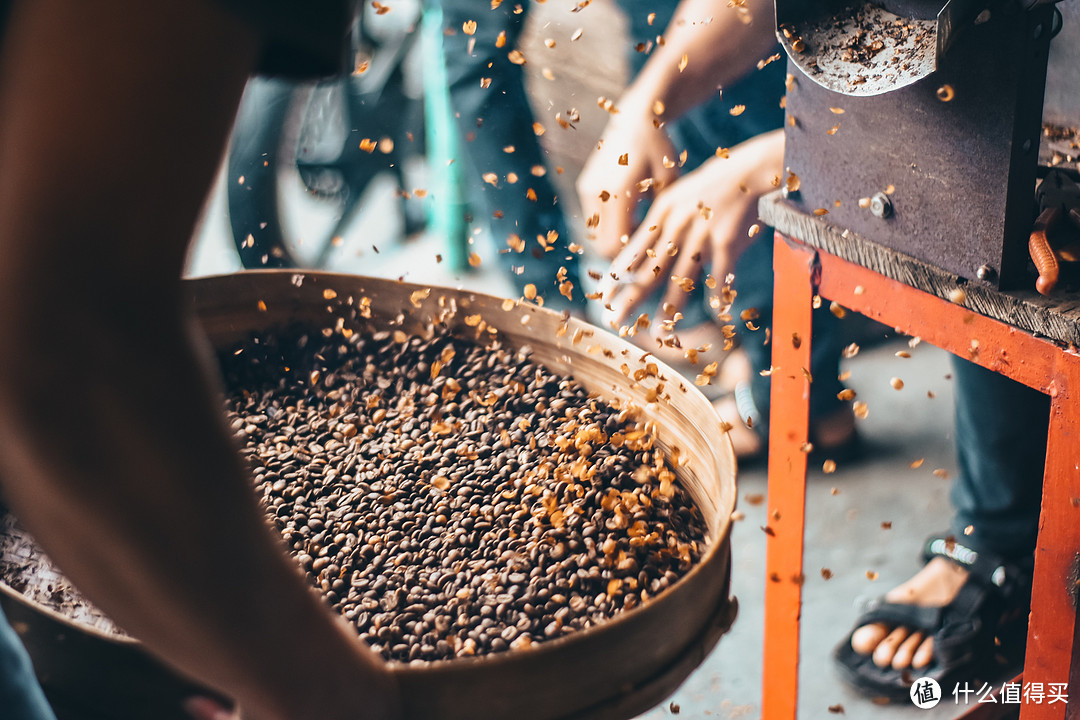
(800, 274)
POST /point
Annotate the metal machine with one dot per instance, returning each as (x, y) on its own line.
(918, 124)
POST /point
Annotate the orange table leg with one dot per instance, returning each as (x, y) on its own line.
(794, 268)
(1051, 644)
(1054, 634)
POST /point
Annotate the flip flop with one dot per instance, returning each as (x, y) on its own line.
(980, 633)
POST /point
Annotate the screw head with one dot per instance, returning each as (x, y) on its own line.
(881, 206)
(985, 273)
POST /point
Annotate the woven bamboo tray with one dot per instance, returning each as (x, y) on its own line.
(609, 671)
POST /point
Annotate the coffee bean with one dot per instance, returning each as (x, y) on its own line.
(448, 512)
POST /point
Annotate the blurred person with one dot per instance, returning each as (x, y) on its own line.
(508, 181)
(701, 55)
(974, 587)
(701, 223)
(113, 449)
(506, 174)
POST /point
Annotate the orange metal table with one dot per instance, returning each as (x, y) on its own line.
(803, 272)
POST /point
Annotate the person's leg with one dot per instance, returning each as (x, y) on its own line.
(20, 695)
(507, 177)
(1001, 429)
(700, 132)
(832, 423)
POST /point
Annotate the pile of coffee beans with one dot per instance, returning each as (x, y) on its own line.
(26, 569)
(452, 498)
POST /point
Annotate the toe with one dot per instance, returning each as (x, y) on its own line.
(886, 649)
(924, 654)
(867, 637)
(744, 439)
(906, 652)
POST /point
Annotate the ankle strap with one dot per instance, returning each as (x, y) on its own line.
(748, 410)
(986, 568)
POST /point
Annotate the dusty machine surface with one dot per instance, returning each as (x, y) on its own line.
(918, 124)
(613, 668)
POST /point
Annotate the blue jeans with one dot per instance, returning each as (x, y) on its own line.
(21, 698)
(494, 117)
(488, 95)
(1001, 430)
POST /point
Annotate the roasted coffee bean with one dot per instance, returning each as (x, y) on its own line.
(451, 498)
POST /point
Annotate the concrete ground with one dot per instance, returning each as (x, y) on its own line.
(865, 523)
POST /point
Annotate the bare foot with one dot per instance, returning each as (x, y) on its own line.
(735, 369)
(744, 439)
(827, 432)
(933, 586)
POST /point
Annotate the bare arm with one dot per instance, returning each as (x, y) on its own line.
(720, 44)
(114, 452)
(719, 48)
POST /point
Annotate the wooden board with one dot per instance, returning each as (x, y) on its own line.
(1056, 317)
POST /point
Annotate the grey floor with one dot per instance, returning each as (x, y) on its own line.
(847, 513)
(865, 520)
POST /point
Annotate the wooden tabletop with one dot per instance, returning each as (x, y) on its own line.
(1056, 317)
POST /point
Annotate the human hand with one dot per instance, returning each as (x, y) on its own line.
(633, 160)
(705, 217)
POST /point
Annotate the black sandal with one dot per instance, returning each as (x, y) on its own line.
(981, 632)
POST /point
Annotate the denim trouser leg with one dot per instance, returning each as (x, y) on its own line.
(21, 697)
(1001, 430)
(488, 95)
